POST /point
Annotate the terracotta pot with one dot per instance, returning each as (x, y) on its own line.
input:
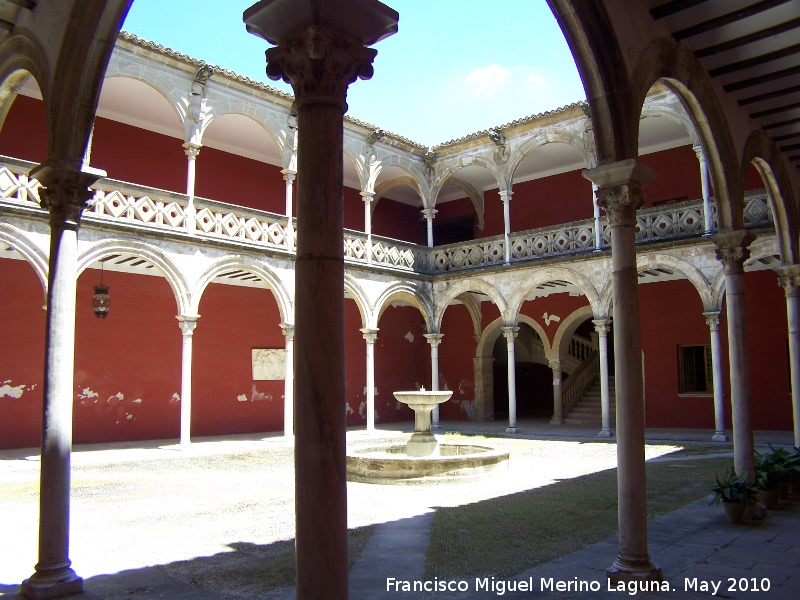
(769, 498)
(734, 512)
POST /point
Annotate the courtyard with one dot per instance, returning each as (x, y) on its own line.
(216, 520)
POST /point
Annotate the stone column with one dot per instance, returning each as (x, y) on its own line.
(558, 404)
(191, 150)
(430, 214)
(288, 381)
(320, 52)
(598, 227)
(603, 327)
(712, 320)
(434, 339)
(620, 195)
(505, 196)
(510, 334)
(64, 195)
(367, 198)
(790, 282)
(708, 217)
(732, 251)
(289, 176)
(483, 370)
(370, 335)
(187, 325)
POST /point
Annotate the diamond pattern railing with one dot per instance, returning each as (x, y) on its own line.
(147, 208)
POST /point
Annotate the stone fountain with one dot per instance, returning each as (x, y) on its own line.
(423, 459)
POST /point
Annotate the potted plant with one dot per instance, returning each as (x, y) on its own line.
(771, 471)
(794, 471)
(735, 493)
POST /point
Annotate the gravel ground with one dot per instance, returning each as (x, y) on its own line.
(234, 503)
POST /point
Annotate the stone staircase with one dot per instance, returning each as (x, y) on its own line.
(587, 410)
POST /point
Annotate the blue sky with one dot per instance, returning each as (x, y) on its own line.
(454, 67)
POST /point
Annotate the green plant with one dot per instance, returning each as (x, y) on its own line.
(773, 468)
(734, 488)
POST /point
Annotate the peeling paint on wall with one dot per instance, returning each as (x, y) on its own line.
(348, 409)
(256, 395)
(362, 408)
(176, 397)
(87, 393)
(241, 398)
(118, 397)
(137, 401)
(409, 336)
(11, 391)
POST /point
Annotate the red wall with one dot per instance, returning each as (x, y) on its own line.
(225, 398)
(22, 321)
(24, 132)
(399, 221)
(671, 314)
(550, 201)
(677, 175)
(456, 368)
(561, 305)
(353, 209)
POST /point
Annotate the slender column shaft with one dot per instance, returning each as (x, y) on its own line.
(603, 327)
(288, 383)
(370, 336)
(187, 325)
(712, 320)
(434, 339)
(430, 214)
(192, 151)
(510, 334)
(289, 177)
(706, 189)
(558, 405)
(64, 195)
(732, 251)
(505, 196)
(620, 195)
(367, 197)
(598, 227)
(790, 281)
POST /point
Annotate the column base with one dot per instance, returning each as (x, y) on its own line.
(642, 571)
(511, 429)
(719, 436)
(605, 433)
(41, 586)
(556, 421)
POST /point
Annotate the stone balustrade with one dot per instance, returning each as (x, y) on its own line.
(149, 209)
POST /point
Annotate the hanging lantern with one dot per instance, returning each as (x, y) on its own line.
(101, 301)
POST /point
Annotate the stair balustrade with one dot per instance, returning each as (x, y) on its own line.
(579, 380)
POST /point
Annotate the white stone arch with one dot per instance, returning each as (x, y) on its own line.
(450, 166)
(152, 254)
(537, 327)
(407, 292)
(352, 287)
(442, 299)
(257, 268)
(473, 309)
(692, 273)
(537, 278)
(568, 326)
(542, 139)
(681, 117)
(33, 255)
(382, 188)
(494, 330)
(220, 106)
(353, 156)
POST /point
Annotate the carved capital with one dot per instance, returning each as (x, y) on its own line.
(289, 175)
(65, 191)
(187, 323)
(510, 332)
(602, 326)
(320, 63)
(732, 250)
(367, 197)
(789, 280)
(191, 150)
(429, 213)
(620, 202)
(370, 335)
(288, 331)
(505, 195)
(434, 339)
(700, 153)
(712, 319)
(555, 366)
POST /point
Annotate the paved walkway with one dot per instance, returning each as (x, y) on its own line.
(694, 546)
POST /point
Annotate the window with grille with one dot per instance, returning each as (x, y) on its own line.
(694, 369)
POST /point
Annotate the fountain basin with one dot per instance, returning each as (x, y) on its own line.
(422, 402)
(390, 464)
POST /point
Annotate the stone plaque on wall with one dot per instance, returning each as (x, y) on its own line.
(269, 363)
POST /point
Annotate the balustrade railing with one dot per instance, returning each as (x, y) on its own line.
(579, 380)
(143, 207)
(580, 348)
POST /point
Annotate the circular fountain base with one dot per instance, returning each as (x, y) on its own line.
(449, 462)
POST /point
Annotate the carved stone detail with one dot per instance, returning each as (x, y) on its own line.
(320, 64)
(620, 202)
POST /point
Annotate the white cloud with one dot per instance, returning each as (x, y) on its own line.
(485, 82)
(536, 81)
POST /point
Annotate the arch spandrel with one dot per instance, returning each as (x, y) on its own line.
(517, 297)
(567, 327)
